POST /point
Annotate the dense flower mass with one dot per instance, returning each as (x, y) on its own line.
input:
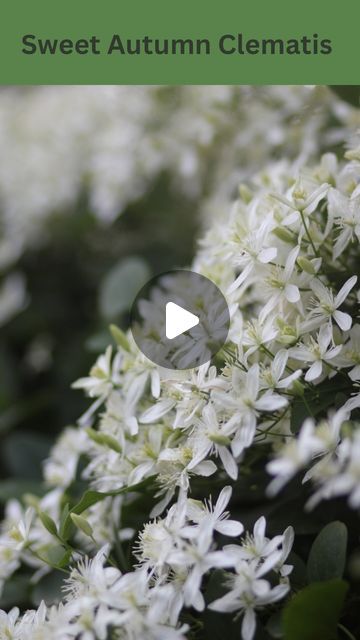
(284, 389)
(109, 145)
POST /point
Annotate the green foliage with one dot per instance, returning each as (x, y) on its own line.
(48, 589)
(120, 286)
(92, 497)
(328, 553)
(314, 612)
(347, 92)
(82, 524)
(317, 400)
(16, 591)
(48, 523)
(119, 337)
(104, 439)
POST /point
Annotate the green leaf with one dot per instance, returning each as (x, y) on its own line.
(16, 592)
(119, 337)
(48, 589)
(349, 93)
(316, 401)
(274, 625)
(56, 555)
(328, 553)
(120, 286)
(104, 439)
(82, 524)
(92, 497)
(64, 515)
(48, 523)
(314, 612)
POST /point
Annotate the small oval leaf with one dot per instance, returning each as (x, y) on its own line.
(313, 613)
(328, 553)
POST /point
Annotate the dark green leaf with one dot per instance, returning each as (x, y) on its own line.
(16, 592)
(48, 523)
(48, 589)
(349, 93)
(92, 497)
(315, 402)
(120, 286)
(314, 612)
(328, 553)
(274, 625)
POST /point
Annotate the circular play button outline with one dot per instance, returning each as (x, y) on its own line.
(163, 308)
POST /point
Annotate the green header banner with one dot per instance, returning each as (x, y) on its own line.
(180, 42)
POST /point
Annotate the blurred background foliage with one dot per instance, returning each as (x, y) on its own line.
(84, 278)
(82, 263)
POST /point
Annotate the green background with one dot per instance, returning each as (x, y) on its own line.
(179, 19)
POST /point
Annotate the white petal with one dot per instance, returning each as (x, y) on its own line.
(325, 337)
(259, 527)
(230, 528)
(157, 411)
(222, 501)
(314, 371)
(248, 626)
(252, 381)
(270, 402)
(320, 290)
(345, 290)
(241, 278)
(290, 262)
(229, 463)
(155, 383)
(343, 320)
(279, 363)
(206, 468)
(266, 255)
(292, 293)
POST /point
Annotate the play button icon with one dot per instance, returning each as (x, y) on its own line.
(180, 319)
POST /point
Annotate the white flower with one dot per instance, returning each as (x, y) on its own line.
(346, 214)
(209, 437)
(212, 518)
(91, 579)
(281, 286)
(317, 352)
(245, 404)
(272, 376)
(198, 558)
(248, 590)
(350, 354)
(301, 201)
(327, 305)
(253, 251)
(295, 455)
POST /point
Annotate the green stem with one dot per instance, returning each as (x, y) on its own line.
(308, 234)
(346, 631)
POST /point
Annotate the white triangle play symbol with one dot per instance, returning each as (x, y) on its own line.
(178, 320)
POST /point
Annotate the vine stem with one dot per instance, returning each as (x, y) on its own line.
(308, 234)
(346, 631)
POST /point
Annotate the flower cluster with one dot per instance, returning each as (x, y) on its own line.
(173, 556)
(113, 142)
(285, 386)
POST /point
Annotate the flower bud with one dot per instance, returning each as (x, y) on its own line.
(82, 524)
